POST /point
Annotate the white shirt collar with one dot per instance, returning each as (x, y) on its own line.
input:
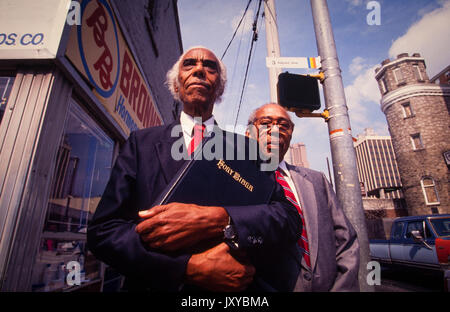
(287, 175)
(187, 123)
(283, 166)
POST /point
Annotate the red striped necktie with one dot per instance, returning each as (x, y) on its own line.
(303, 241)
(196, 138)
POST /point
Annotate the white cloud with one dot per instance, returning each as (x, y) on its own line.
(354, 2)
(363, 89)
(357, 66)
(363, 100)
(247, 22)
(430, 37)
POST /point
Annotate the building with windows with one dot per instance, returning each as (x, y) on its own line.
(443, 77)
(377, 167)
(417, 112)
(296, 155)
(76, 77)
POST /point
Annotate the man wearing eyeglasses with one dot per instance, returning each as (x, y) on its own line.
(329, 246)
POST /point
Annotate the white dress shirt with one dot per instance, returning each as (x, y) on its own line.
(287, 176)
(187, 124)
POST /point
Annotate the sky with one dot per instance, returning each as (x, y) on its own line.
(411, 26)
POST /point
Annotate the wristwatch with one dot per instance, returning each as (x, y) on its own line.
(230, 235)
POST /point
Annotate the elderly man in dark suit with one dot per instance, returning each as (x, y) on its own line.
(151, 246)
(329, 246)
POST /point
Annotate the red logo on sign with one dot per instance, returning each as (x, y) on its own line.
(104, 64)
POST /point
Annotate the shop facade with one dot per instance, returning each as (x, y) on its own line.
(76, 77)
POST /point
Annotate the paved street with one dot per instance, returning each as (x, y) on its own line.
(409, 280)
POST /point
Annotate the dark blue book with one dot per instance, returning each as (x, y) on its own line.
(220, 182)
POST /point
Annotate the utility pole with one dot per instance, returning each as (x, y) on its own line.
(273, 46)
(341, 141)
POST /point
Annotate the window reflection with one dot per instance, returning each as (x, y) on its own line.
(82, 170)
(5, 90)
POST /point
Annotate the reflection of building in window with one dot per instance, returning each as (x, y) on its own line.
(6, 84)
(429, 191)
(82, 170)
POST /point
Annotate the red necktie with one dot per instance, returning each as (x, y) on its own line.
(303, 241)
(196, 138)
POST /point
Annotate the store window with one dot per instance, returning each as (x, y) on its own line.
(6, 84)
(82, 170)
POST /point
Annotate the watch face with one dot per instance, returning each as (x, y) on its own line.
(229, 232)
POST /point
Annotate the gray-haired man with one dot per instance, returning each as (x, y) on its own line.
(152, 245)
(329, 246)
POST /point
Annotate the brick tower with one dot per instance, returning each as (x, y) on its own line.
(417, 113)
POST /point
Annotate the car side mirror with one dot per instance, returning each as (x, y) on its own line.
(419, 239)
(416, 236)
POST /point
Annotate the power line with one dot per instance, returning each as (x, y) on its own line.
(254, 39)
(235, 66)
(234, 34)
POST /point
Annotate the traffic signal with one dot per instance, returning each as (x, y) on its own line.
(298, 92)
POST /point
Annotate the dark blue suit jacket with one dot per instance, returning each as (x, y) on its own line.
(141, 172)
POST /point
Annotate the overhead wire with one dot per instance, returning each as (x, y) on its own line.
(235, 66)
(254, 39)
(237, 27)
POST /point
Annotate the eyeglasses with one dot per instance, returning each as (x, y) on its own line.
(269, 122)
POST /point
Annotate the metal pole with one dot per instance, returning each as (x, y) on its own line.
(273, 46)
(329, 173)
(341, 142)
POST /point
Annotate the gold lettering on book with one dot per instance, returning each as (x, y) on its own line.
(235, 175)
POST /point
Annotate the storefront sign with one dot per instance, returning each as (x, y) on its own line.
(31, 29)
(100, 53)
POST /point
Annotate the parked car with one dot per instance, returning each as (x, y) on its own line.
(417, 241)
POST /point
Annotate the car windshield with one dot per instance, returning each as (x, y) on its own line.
(442, 226)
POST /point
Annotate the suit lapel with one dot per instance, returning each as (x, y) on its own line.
(169, 166)
(308, 203)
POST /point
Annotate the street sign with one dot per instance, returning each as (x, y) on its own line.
(293, 62)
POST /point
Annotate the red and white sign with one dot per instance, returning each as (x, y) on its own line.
(100, 53)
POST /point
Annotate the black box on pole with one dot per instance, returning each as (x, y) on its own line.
(298, 92)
